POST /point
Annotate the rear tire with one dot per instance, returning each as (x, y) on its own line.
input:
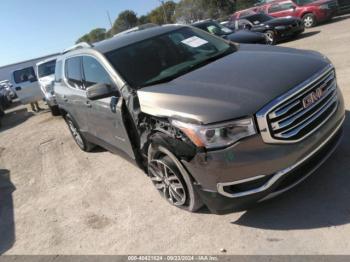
(77, 136)
(309, 20)
(175, 178)
(55, 111)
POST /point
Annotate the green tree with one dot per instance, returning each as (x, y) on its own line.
(95, 35)
(157, 15)
(243, 4)
(144, 19)
(188, 11)
(126, 20)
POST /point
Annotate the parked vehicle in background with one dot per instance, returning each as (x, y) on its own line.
(311, 12)
(26, 85)
(240, 36)
(2, 107)
(7, 92)
(202, 116)
(242, 13)
(46, 78)
(344, 6)
(275, 29)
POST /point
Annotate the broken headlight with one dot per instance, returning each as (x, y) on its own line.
(219, 135)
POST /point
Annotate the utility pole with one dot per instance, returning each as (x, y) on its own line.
(164, 11)
(109, 19)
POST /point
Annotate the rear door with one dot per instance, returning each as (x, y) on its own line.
(26, 85)
(73, 95)
(105, 119)
(282, 9)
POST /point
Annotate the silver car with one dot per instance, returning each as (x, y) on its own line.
(209, 121)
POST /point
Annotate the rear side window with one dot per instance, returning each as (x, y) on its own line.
(281, 7)
(274, 8)
(46, 69)
(24, 75)
(286, 6)
(94, 72)
(58, 71)
(73, 72)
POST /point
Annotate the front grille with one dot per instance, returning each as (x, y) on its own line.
(303, 112)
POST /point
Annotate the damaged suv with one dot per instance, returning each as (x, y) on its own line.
(202, 116)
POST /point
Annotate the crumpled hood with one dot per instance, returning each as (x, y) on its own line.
(235, 86)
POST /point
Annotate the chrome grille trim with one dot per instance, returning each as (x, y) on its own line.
(311, 119)
(284, 118)
(282, 173)
(288, 120)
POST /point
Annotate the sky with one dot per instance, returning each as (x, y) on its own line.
(30, 29)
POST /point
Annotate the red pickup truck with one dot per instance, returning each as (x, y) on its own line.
(310, 11)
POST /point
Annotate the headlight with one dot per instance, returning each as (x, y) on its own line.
(216, 136)
(324, 6)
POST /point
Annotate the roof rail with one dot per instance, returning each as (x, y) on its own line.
(77, 46)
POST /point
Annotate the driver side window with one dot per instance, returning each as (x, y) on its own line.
(94, 73)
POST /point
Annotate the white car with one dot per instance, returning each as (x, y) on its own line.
(26, 85)
(46, 78)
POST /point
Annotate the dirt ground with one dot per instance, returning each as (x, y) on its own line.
(56, 199)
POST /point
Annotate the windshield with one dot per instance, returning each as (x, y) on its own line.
(214, 28)
(258, 18)
(47, 69)
(165, 57)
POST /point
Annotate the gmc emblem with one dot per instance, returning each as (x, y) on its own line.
(313, 97)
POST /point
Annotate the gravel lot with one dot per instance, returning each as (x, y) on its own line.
(63, 201)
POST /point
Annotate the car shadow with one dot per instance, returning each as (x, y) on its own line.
(320, 201)
(14, 118)
(7, 224)
(301, 36)
(339, 18)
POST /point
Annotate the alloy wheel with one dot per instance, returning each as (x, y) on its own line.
(308, 21)
(167, 182)
(270, 37)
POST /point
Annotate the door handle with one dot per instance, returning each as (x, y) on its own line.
(88, 104)
(65, 98)
(18, 88)
(113, 104)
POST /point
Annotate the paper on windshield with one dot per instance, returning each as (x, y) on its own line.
(226, 30)
(194, 41)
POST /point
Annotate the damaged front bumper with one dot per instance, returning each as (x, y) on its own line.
(252, 171)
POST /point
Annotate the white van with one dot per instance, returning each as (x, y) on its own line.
(26, 85)
(46, 75)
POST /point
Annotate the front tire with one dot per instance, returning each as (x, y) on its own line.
(270, 37)
(171, 179)
(77, 136)
(309, 20)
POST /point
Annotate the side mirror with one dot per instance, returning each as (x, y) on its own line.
(99, 91)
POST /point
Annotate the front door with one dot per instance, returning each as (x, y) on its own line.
(283, 9)
(105, 116)
(26, 85)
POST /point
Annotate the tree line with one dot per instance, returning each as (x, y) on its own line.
(185, 11)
